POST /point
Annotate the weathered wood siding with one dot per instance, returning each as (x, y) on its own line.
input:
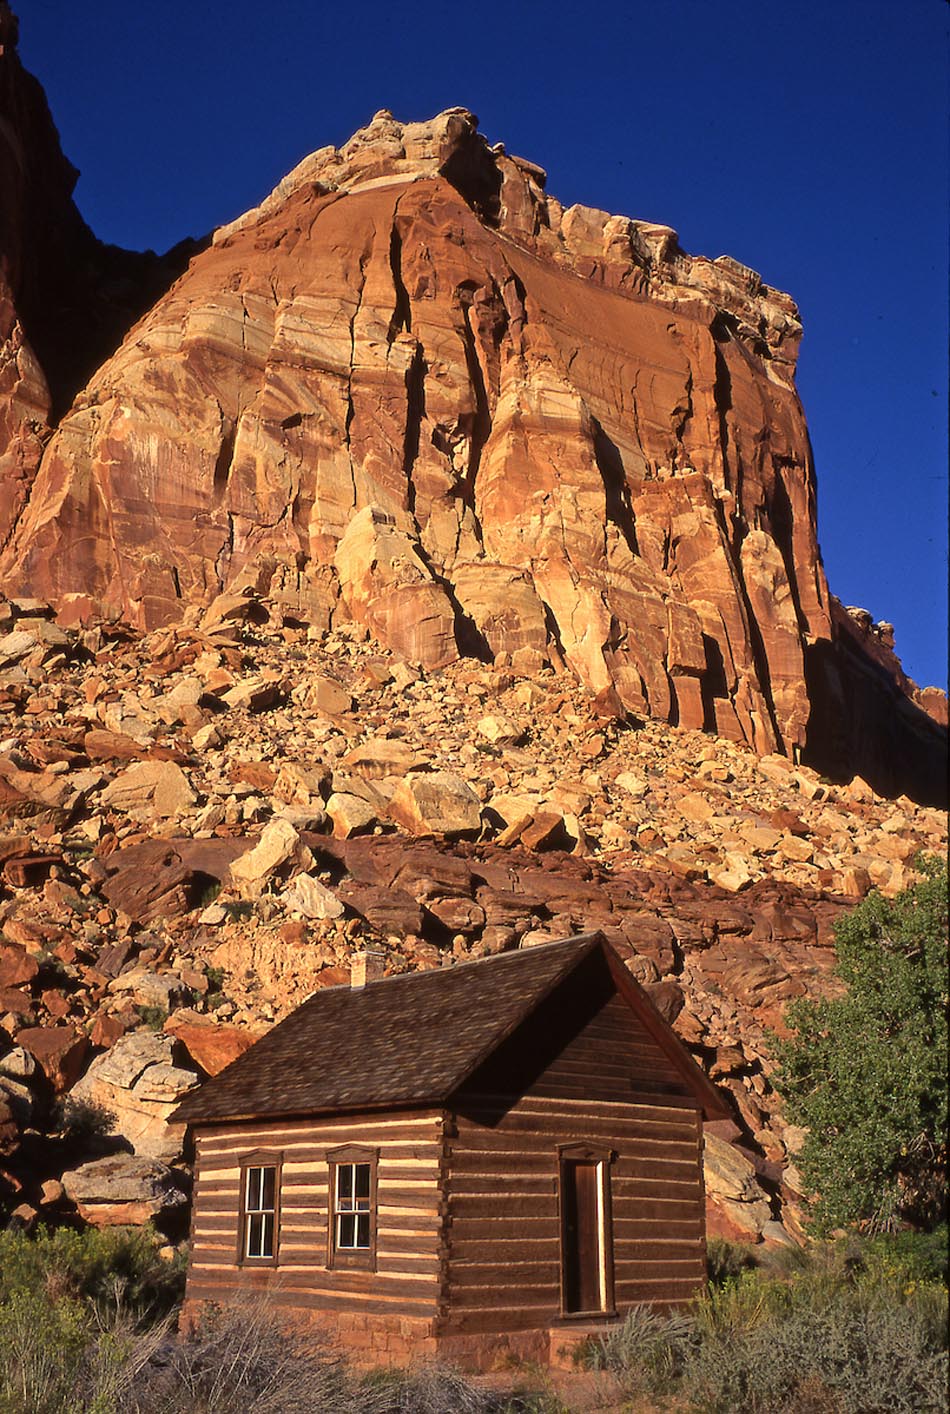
(608, 1083)
(406, 1279)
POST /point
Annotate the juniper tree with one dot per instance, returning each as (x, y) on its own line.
(866, 1073)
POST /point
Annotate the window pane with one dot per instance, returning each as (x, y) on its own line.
(254, 1235)
(253, 1202)
(346, 1229)
(268, 1186)
(362, 1230)
(267, 1235)
(362, 1181)
(344, 1181)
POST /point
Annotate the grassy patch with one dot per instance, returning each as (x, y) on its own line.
(854, 1327)
(86, 1324)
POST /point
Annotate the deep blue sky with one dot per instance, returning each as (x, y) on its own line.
(807, 139)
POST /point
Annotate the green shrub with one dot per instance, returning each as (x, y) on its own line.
(58, 1359)
(727, 1259)
(856, 1326)
(113, 1269)
(866, 1073)
(82, 1120)
(844, 1357)
(154, 1017)
(648, 1352)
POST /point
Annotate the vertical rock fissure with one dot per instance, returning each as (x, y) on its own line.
(415, 413)
(350, 409)
(682, 414)
(760, 658)
(402, 309)
(616, 490)
(481, 422)
(722, 398)
(223, 462)
(225, 553)
(783, 531)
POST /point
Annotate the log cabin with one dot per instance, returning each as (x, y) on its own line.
(491, 1159)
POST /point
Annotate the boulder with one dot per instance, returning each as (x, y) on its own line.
(278, 846)
(124, 1190)
(140, 1083)
(150, 790)
(436, 803)
(736, 1205)
(307, 895)
(59, 1051)
(211, 1045)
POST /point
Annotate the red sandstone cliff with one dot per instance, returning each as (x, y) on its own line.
(66, 300)
(412, 390)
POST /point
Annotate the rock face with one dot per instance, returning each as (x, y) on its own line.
(66, 300)
(412, 390)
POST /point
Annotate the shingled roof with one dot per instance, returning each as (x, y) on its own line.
(405, 1040)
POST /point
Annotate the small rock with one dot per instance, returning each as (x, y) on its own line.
(278, 843)
(308, 896)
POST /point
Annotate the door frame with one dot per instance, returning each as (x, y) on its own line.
(590, 1152)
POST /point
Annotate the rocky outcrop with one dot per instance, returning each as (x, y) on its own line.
(412, 390)
(66, 300)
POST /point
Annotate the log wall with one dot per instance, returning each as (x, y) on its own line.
(388, 1311)
(610, 1085)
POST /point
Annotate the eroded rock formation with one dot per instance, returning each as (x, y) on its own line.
(66, 299)
(412, 390)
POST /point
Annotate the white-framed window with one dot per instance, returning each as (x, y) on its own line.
(352, 1191)
(259, 1209)
(354, 1187)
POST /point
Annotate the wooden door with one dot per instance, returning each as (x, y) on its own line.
(582, 1236)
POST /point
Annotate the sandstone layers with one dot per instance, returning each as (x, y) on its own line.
(413, 391)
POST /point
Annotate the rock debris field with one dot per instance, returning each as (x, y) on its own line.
(199, 827)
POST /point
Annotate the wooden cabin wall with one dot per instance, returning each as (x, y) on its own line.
(405, 1284)
(610, 1084)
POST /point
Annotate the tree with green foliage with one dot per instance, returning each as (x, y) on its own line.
(866, 1073)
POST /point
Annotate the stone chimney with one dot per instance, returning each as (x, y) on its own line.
(366, 967)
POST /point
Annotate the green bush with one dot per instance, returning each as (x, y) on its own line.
(154, 1017)
(115, 1269)
(726, 1259)
(845, 1357)
(57, 1358)
(852, 1327)
(648, 1353)
(866, 1073)
(82, 1120)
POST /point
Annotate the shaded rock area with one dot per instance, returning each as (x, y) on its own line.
(412, 390)
(147, 938)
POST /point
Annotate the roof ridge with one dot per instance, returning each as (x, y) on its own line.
(415, 974)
